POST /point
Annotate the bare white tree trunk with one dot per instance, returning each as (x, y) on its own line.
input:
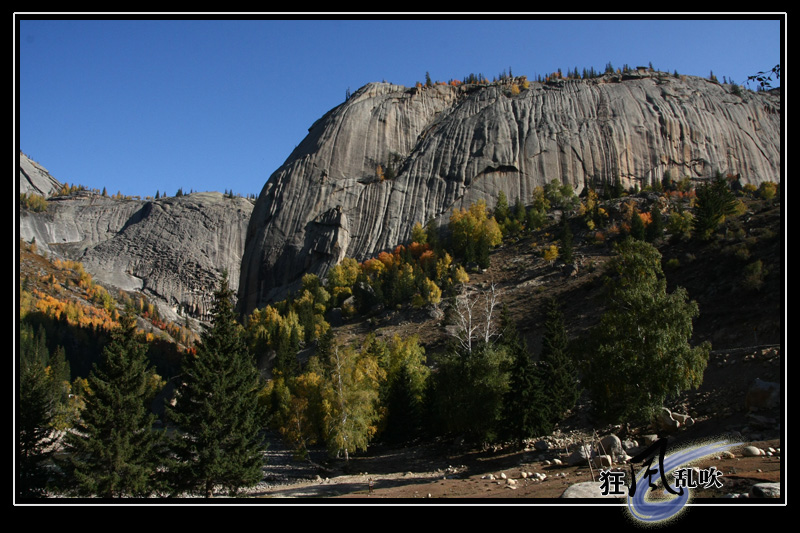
(473, 321)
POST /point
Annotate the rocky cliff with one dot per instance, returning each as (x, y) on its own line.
(172, 249)
(391, 156)
(35, 179)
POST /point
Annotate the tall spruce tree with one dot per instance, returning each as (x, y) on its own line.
(217, 410)
(35, 415)
(557, 366)
(525, 407)
(114, 451)
(715, 201)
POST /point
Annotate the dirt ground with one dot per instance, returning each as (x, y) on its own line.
(423, 472)
(446, 473)
(441, 473)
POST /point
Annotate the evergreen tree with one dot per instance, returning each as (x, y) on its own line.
(637, 226)
(525, 407)
(467, 390)
(402, 392)
(403, 408)
(36, 412)
(655, 230)
(715, 201)
(617, 189)
(566, 241)
(557, 366)
(501, 209)
(114, 451)
(217, 410)
(520, 213)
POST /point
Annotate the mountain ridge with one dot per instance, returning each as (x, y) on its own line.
(392, 156)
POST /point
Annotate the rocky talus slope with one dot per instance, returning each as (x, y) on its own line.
(392, 156)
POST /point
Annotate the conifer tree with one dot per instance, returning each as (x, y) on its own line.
(715, 201)
(566, 241)
(217, 410)
(655, 230)
(557, 366)
(637, 226)
(525, 407)
(114, 451)
(501, 209)
(402, 392)
(36, 411)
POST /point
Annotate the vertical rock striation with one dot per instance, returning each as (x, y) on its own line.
(391, 156)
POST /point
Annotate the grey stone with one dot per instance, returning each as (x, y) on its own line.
(586, 489)
(448, 147)
(579, 456)
(752, 451)
(35, 179)
(612, 445)
(173, 249)
(765, 490)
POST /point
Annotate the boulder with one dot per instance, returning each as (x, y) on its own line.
(586, 489)
(612, 445)
(765, 490)
(752, 451)
(602, 461)
(580, 456)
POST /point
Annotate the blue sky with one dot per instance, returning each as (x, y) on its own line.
(140, 106)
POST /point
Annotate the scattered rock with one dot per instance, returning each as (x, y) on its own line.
(765, 490)
(585, 489)
(752, 451)
(602, 461)
(579, 456)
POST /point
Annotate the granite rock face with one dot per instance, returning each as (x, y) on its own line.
(35, 179)
(391, 156)
(172, 249)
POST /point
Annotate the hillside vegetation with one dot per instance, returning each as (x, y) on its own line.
(440, 337)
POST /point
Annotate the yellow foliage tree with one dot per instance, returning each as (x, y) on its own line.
(551, 253)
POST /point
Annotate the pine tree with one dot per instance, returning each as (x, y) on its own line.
(114, 451)
(566, 241)
(501, 209)
(557, 367)
(217, 410)
(402, 392)
(525, 407)
(655, 230)
(637, 226)
(36, 411)
(715, 202)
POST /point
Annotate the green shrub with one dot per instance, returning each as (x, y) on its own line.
(754, 275)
